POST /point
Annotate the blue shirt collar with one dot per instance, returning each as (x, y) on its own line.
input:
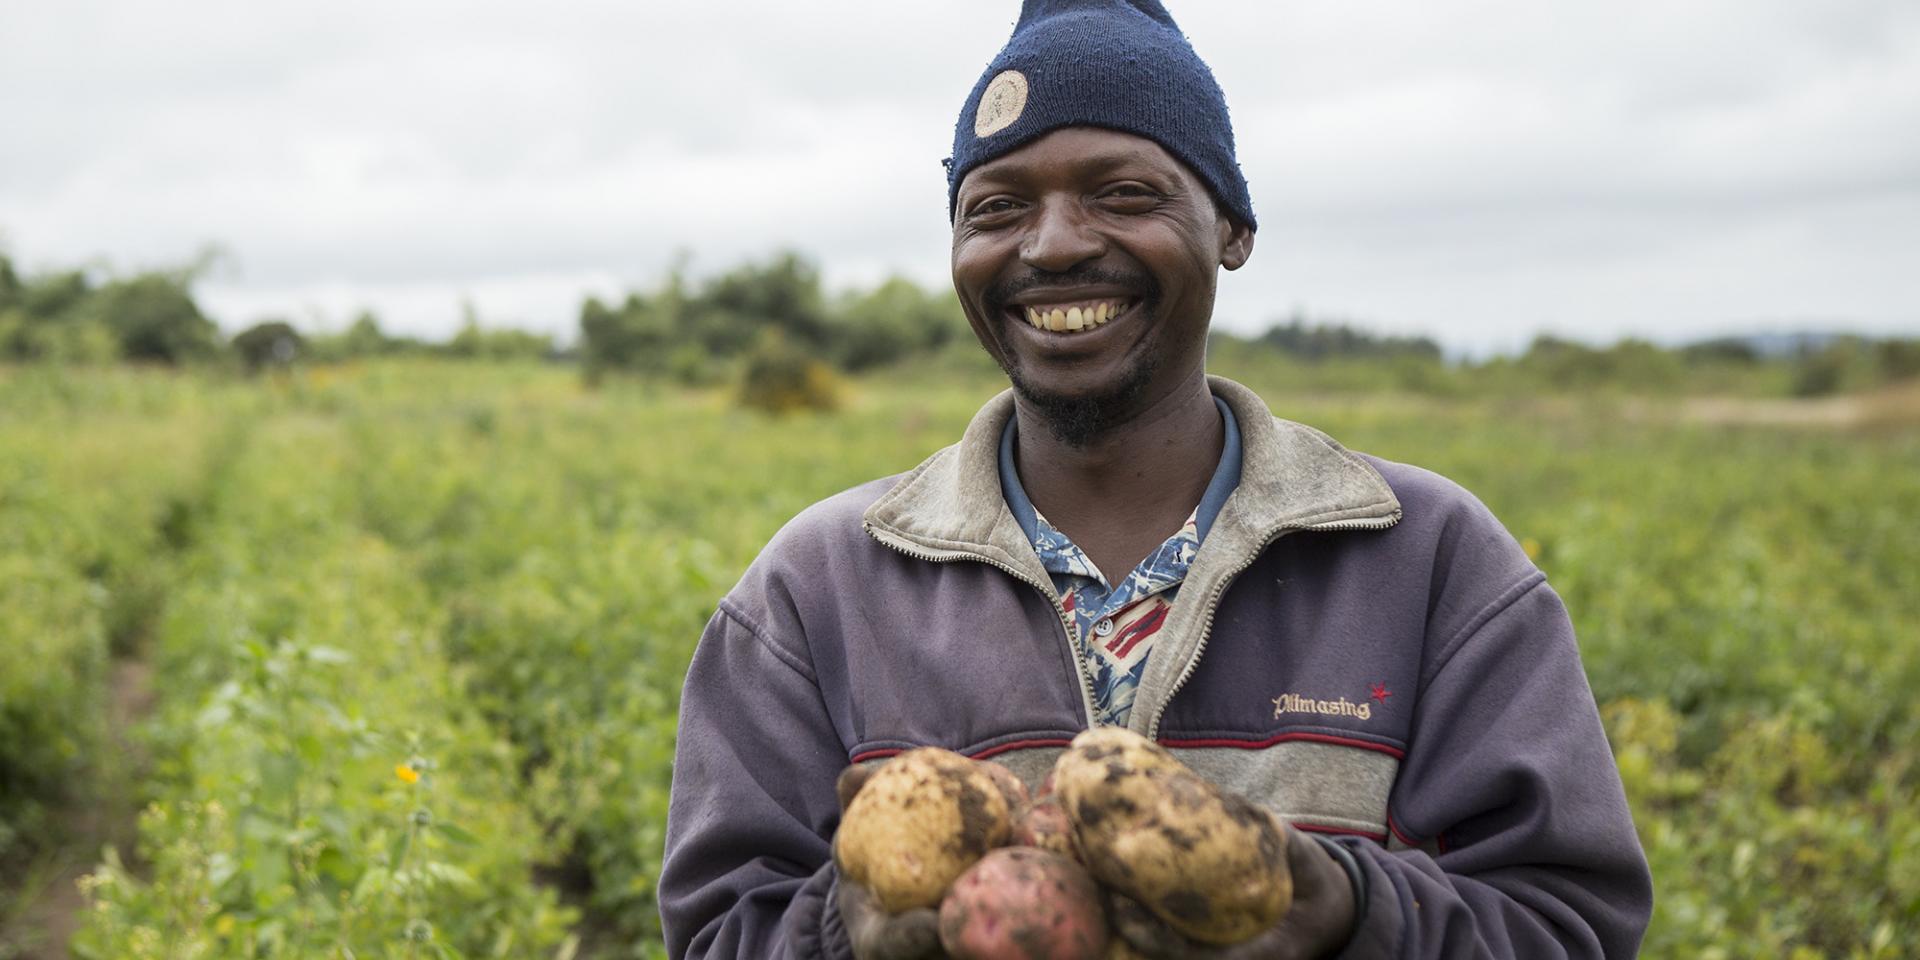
(1226, 476)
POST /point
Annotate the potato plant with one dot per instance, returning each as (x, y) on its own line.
(501, 575)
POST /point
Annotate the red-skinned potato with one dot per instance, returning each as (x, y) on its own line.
(1022, 903)
(1044, 824)
(1010, 785)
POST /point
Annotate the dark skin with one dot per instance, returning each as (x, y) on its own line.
(1082, 216)
(1086, 214)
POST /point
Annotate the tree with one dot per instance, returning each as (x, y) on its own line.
(273, 343)
(475, 342)
(154, 318)
(364, 338)
(733, 308)
(10, 285)
(891, 322)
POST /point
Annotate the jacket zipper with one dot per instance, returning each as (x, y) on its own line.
(1220, 589)
(1059, 609)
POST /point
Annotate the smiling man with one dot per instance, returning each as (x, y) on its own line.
(1353, 644)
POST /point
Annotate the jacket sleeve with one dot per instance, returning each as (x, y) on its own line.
(748, 870)
(1525, 847)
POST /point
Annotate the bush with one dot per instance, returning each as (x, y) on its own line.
(155, 318)
(270, 344)
(779, 378)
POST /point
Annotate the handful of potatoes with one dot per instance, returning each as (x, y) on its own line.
(1018, 877)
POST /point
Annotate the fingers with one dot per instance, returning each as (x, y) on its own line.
(1153, 938)
(1145, 933)
(850, 782)
(1323, 909)
(879, 935)
(912, 935)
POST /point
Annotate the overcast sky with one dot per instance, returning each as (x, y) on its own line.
(1473, 170)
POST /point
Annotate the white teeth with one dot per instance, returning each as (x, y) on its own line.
(1074, 318)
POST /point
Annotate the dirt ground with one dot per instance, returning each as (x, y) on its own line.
(54, 905)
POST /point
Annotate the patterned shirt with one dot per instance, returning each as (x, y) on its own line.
(1115, 623)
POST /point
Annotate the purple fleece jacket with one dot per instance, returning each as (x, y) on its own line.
(1359, 646)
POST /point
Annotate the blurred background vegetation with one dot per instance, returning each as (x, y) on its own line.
(774, 317)
(351, 644)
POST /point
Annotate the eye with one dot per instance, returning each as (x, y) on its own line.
(1130, 195)
(993, 209)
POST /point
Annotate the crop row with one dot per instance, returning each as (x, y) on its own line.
(425, 625)
(95, 492)
(323, 785)
(579, 543)
(1746, 601)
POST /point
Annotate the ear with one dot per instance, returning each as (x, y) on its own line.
(1236, 243)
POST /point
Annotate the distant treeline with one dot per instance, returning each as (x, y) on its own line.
(777, 312)
(694, 332)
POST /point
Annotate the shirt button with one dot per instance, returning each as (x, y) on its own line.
(1104, 628)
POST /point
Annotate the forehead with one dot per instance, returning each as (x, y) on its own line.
(1073, 152)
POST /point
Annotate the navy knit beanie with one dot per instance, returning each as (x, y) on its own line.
(1120, 64)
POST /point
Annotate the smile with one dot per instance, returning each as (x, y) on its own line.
(1077, 316)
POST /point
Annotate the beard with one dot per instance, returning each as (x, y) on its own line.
(1074, 420)
(1078, 420)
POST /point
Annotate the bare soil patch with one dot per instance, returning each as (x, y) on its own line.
(1894, 406)
(54, 907)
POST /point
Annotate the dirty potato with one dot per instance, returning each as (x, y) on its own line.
(920, 821)
(1021, 903)
(1210, 864)
(1010, 785)
(1044, 824)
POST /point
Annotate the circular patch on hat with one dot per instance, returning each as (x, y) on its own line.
(1000, 105)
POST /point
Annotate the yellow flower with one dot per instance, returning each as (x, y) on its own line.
(1532, 547)
(406, 774)
(224, 925)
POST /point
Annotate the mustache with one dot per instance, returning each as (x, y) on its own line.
(998, 294)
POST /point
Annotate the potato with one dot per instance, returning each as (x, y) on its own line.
(920, 821)
(1021, 903)
(1210, 864)
(1010, 785)
(1118, 949)
(1044, 824)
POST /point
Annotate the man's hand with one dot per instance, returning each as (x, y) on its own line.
(1317, 925)
(875, 933)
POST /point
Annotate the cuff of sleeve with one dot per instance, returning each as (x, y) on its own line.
(813, 922)
(1355, 876)
(834, 942)
(1377, 917)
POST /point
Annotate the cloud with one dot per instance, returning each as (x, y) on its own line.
(1470, 169)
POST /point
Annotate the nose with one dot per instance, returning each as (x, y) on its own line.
(1062, 237)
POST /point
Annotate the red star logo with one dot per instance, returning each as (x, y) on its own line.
(1381, 693)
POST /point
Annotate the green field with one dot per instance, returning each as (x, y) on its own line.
(388, 655)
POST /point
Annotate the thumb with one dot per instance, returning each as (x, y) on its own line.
(1146, 933)
(850, 782)
(876, 934)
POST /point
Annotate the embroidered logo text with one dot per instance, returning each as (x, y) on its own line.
(1295, 703)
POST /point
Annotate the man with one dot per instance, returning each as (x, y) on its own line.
(1355, 644)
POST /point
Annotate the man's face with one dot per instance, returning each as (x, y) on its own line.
(1086, 263)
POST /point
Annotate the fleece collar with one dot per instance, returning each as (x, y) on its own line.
(1292, 477)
